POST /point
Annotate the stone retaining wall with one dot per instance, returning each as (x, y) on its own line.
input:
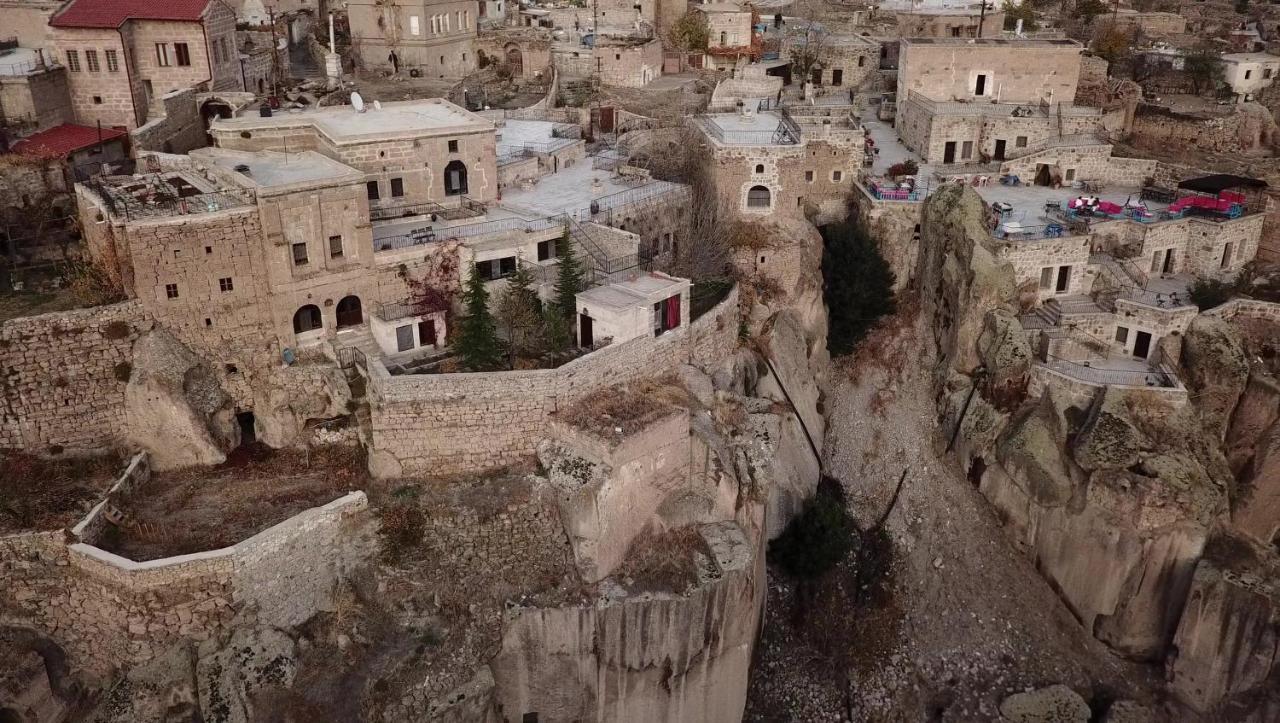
(63, 376)
(441, 424)
(1249, 308)
(107, 611)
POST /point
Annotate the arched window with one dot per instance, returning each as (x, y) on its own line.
(455, 178)
(307, 319)
(758, 197)
(759, 168)
(349, 312)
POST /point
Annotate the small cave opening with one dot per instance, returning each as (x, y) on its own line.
(248, 427)
(976, 469)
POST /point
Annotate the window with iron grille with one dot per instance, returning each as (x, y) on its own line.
(299, 254)
(225, 285)
(182, 53)
(162, 54)
(113, 62)
(91, 60)
(171, 291)
(73, 61)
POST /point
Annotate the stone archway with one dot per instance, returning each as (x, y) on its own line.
(515, 59)
(455, 178)
(307, 319)
(349, 312)
(214, 108)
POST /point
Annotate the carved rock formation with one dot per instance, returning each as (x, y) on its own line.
(174, 406)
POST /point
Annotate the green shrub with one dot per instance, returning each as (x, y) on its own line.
(1208, 293)
(818, 538)
(857, 285)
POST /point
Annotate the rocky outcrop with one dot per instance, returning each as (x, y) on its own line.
(1254, 453)
(291, 396)
(1215, 370)
(228, 676)
(174, 406)
(1225, 660)
(798, 371)
(26, 693)
(657, 657)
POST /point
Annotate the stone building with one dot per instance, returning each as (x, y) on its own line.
(844, 60)
(623, 61)
(962, 21)
(981, 100)
(765, 163)
(122, 58)
(1248, 73)
(729, 33)
(1151, 24)
(27, 22)
(33, 91)
(436, 39)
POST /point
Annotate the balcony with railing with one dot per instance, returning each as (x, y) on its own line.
(459, 207)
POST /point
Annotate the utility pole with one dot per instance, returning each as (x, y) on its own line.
(982, 19)
(275, 55)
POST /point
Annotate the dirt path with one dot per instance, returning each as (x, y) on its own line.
(976, 621)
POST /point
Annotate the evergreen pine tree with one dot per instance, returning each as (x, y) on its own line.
(569, 278)
(556, 334)
(857, 285)
(519, 312)
(477, 341)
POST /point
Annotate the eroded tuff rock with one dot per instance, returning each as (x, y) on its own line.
(174, 406)
(1109, 440)
(799, 371)
(291, 396)
(1225, 660)
(251, 661)
(1032, 454)
(1215, 369)
(26, 689)
(1055, 704)
(161, 690)
(1254, 454)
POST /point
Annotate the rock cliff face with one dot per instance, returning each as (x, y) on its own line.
(1115, 496)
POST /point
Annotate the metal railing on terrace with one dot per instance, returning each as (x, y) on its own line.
(134, 209)
(464, 208)
(391, 311)
(1101, 376)
(882, 189)
(783, 134)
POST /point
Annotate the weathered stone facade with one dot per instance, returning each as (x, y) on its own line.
(64, 377)
(1010, 71)
(454, 423)
(36, 99)
(435, 37)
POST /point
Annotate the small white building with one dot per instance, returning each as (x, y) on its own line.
(651, 304)
(1248, 73)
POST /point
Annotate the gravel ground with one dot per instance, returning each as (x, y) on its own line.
(974, 621)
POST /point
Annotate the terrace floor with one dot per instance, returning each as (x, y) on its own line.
(891, 149)
(1029, 201)
(571, 190)
(1124, 372)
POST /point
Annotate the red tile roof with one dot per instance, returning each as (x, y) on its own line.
(59, 141)
(113, 13)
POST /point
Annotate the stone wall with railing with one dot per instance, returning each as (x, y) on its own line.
(451, 423)
(106, 611)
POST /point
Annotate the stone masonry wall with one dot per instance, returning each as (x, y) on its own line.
(453, 423)
(106, 611)
(63, 377)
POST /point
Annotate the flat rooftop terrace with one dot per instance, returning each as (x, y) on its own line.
(269, 169)
(517, 136)
(572, 190)
(432, 116)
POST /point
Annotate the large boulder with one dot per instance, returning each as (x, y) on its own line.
(1109, 438)
(1254, 453)
(1215, 369)
(1055, 704)
(252, 661)
(292, 396)
(175, 407)
(1031, 452)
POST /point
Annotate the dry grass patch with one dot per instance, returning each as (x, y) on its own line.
(662, 562)
(201, 509)
(48, 494)
(627, 408)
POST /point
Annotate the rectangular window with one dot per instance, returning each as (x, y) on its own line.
(1046, 277)
(453, 146)
(966, 150)
(1122, 334)
(404, 337)
(91, 60)
(837, 176)
(1226, 254)
(546, 250)
(171, 291)
(335, 247)
(1247, 73)
(1266, 73)
(300, 254)
(414, 29)
(372, 188)
(808, 176)
(507, 266)
(217, 53)
(182, 54)
(225, 285)
(426, 333)
(113, 62)
(1069, 175)
(73, 61)
(162, 54)
(980, 85)
(397, 187)
(1020, 142)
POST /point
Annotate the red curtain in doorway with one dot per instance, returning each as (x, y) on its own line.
(673, 312)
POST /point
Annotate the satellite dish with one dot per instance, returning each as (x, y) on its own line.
(377, 105)
(357, 102)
